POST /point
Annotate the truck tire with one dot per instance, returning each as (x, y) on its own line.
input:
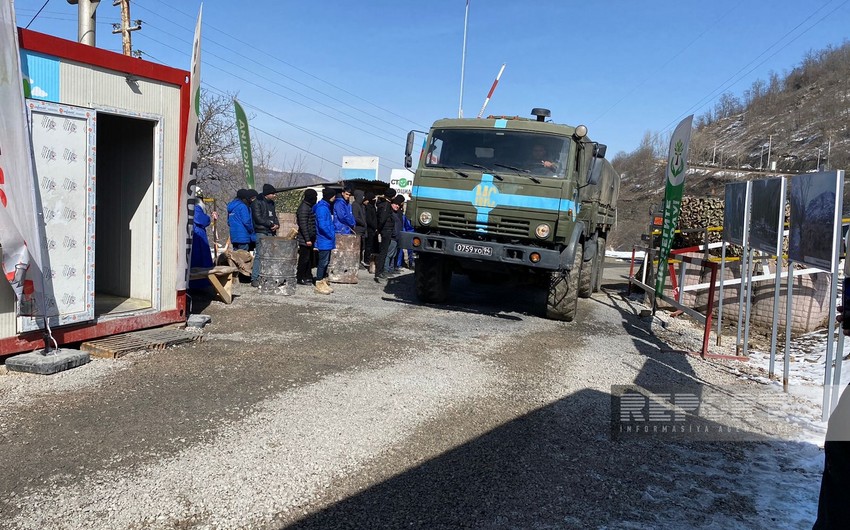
(431, 278)
(586, 278)
(562, 299)
(599, 266)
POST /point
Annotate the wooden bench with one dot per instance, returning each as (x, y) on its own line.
(221, 278)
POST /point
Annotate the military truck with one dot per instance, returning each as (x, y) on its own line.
(508, 198)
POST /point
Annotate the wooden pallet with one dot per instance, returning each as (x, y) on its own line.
(148, 339)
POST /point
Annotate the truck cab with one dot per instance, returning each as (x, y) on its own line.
(510, 197)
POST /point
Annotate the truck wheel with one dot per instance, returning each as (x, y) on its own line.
(431, 279)
(586, 279)
(562, 300)
(600, 264)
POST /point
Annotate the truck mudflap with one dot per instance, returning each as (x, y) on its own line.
(533, 257)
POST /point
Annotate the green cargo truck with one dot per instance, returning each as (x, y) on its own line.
(507, 198)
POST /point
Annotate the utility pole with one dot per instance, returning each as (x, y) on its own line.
(124, 28)
(86, 20)
(769, 145)
(817, 167)
(828, 149)
(714, 152)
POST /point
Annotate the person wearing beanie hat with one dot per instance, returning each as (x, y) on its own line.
(325, 239)
(386, 226)
(359, 210)
(239, 220)
(306, 220)
(266, 224)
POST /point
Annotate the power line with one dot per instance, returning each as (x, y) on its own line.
(278, 94)
(39, 12)
(333, 141)
(227, 34)
(304, 129)
(735, 77)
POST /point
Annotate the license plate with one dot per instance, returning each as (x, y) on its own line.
(473, 249)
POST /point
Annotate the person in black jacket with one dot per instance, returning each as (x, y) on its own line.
(306, 220)
(266, 224)
(386, 226)
(371, 246)
(359, 210)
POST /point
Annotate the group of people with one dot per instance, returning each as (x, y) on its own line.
(376, 220)
(251, 216)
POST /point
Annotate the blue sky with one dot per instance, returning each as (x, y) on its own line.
(329, 78)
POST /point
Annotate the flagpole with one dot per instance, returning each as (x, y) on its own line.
(463, 60)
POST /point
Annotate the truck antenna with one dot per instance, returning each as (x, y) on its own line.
(492, 89)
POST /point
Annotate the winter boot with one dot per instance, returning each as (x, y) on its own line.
(321, 287)
(328, 285)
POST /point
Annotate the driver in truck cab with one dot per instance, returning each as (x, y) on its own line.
(540, 159)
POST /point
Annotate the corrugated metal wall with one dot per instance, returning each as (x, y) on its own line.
(99, 89)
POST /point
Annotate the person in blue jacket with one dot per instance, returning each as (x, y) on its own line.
(344, 221)
(407, 226)
(325, 239)
(239, 220)
(201, 256)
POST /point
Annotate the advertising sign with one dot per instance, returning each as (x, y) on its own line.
(815, 216)
(359, 167)
(401, 180)
(767, 214)
(735, 206)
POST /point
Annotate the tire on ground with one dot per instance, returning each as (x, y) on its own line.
(432, 278)
(562, 298)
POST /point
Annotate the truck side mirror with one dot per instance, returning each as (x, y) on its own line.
(408, 150)
(599, 150)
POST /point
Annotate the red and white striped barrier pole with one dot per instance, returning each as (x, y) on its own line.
(492, 89)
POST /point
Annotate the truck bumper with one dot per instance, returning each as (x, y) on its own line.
(533, 257)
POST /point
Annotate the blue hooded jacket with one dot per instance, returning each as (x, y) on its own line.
(325, 235)
(240, 222)
(343, 216)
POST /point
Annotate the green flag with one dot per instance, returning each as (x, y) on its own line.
(677, 165)
(244, 144)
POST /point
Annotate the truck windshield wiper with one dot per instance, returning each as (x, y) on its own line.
(520, 170)
(479, 166)
(459, 172)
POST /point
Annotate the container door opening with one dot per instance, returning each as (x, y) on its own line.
(124, 222)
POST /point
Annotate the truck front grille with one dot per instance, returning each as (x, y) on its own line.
(507, 227)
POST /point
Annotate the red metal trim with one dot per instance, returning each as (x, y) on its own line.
(87, 331)
(74, 51)
(632, 269)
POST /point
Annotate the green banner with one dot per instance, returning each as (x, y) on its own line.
(244, 144)
(677, 165)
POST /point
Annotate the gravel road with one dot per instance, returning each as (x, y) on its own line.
(364, 409)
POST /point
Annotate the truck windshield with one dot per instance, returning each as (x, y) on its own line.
(524, 152)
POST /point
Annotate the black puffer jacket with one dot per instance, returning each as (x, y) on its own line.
(359, 213)
(306, 220)
(386, 222)
(264, 215)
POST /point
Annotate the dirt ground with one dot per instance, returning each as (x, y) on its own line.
(365, 409)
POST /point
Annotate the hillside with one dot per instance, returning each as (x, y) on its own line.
(794, 123)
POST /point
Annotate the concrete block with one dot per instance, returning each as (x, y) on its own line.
(38, 362)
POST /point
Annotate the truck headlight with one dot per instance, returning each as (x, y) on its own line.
(425, 218)
(542, 231)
